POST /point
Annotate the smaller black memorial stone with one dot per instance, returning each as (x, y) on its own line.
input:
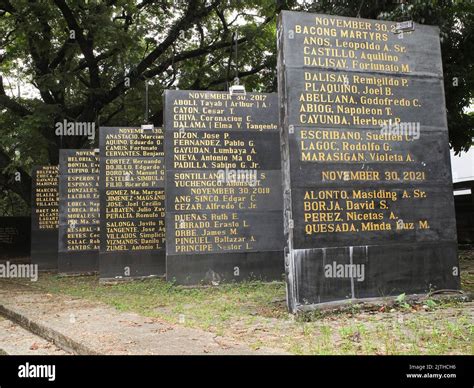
(44, 218)
(132, 203)
(223, 187)
(78, 211)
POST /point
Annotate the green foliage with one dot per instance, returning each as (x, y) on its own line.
(172, 44)
(401, 301)
(431, 304)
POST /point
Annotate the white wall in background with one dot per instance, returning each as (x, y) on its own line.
(462, 166)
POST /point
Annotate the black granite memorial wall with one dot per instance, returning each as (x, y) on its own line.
(132, 229)
(15, 237)
(223, 187)
(78, 244)
(44, 218)
(366, 171)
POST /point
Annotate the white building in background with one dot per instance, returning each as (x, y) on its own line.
(463, 181)
(462, 167)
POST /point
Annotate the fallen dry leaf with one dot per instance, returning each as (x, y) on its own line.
(34, 346)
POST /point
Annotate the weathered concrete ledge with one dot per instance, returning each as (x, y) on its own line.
(389, 301)
(17, 340)
(86, 327)
(60, 340)
(115, 281)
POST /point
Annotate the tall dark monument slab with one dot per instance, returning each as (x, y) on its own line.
(366, 171)
(44, 218)
(132, 219)
(78, 244)
(223, 187)
(15, 237)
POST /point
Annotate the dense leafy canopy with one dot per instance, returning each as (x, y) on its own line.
(89, 61)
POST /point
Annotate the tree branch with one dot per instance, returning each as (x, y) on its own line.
(23, 187)
(189, 55)
(193, 13)
(86, 45)
(5, 5)
(10, 103)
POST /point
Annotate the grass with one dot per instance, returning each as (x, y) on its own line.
(466, 261)
(207, 307)
(255, 313)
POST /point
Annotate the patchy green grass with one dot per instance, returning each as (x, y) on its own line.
(255, 313)
(204, 307)
(466, 263)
